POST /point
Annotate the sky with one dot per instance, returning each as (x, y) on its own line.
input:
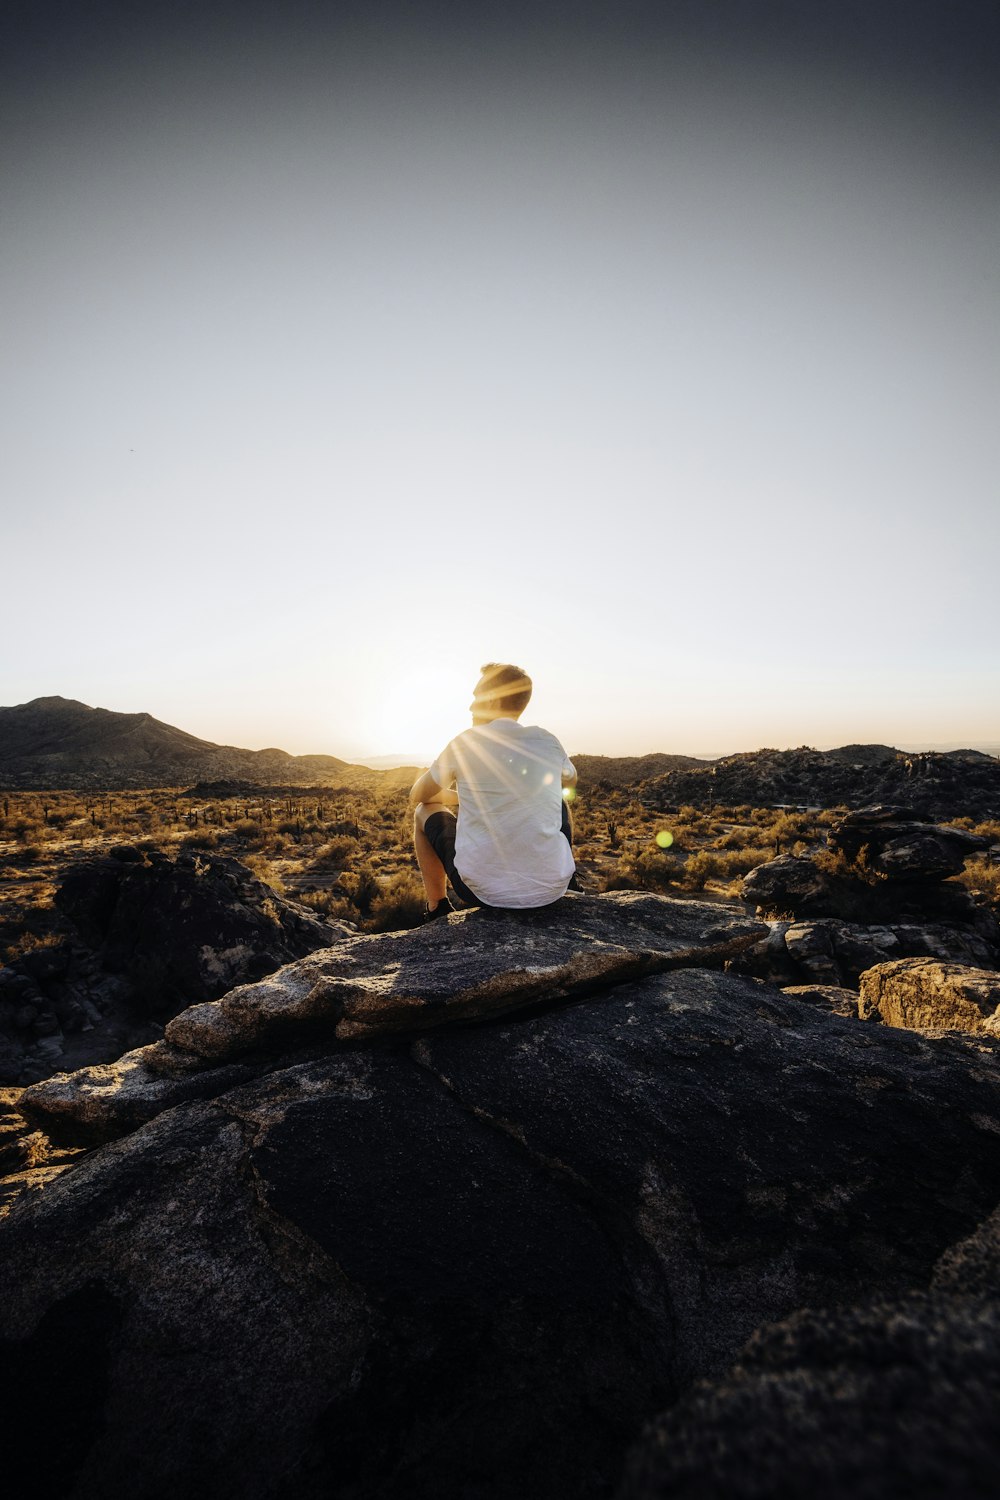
(651, 347)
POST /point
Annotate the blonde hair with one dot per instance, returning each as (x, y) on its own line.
(503, 687)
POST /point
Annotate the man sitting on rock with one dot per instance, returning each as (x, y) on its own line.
(510, 844)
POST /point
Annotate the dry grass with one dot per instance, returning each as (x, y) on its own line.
(348, 855)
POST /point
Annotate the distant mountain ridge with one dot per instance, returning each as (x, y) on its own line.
(628, 770)
(61, 743)
(953, 784)
(56, 742)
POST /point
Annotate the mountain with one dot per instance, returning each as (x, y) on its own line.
(629, 770)
(937, 785)
(58, 742)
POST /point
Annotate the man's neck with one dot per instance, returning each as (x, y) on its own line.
(478, 720)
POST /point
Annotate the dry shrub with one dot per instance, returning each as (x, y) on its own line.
(399, 903)
(203, 839)
(983, 879)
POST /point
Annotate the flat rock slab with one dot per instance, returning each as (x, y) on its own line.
(467, 968)
(924, 995)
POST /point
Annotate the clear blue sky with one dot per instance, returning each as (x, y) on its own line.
(655, 348)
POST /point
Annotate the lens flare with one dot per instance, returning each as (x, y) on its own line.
(664, 838)
(569, 793)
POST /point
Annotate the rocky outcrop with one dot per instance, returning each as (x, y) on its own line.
(887, 1401)
(831, 952)
(888, 841)
(789, 885)
(477, 1260)
(923, 994)
(887, 868)
(152, 935)
(881, 898)
(831, 997)
(894, 1399)
(959, 783)
(186, 929)
(476, 964)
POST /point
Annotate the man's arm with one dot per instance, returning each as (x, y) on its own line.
(426, 789)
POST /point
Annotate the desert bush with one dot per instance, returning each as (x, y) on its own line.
(329, 905)
(29, 941)
(202, 839)
(698, 868)
(25, 830)
(361, 887)
(725, 864)
(737, 838)
(338, 852)
(248, 834)
(261, 866)
(399, 903)
(688, 814)
(652, 869)
(982, 878)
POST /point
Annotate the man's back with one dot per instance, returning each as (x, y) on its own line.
(509, 846)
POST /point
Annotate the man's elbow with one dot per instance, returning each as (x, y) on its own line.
(424, 789)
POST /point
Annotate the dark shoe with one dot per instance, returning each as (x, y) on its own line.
(431, 913)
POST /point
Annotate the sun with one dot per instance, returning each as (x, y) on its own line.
(420, 712)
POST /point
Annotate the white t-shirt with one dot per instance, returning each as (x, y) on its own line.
(509, 844)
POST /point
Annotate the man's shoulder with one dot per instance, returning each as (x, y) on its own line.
(536, 731)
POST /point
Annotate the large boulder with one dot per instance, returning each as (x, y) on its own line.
(185, 929)
(922, 994)
(890, 842)
(149, 935)
(892, 1400)
(787, 886)
(888, 1401)
(476, 1261)
(474, 964)
(826, 950)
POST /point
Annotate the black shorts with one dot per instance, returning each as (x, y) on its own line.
(440, 829)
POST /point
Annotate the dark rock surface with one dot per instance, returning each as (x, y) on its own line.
(789, 885)
(474, 1263)
(889, 1400)
(152, 935)
(828, 951)
(186, 929)
(474, 964)
(832, 997)
(890, 842)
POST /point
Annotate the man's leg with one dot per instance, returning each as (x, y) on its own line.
(432, 871)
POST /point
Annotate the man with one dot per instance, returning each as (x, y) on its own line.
(510, 844)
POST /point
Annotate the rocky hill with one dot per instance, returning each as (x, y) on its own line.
(512, 1205)
(936, 785)
(630, 770)
(60, 743)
